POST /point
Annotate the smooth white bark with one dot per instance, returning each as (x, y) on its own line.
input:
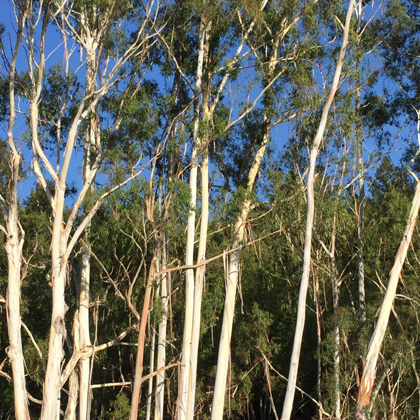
(161, 345)
(189, 252)
(13, 246)
(219, 392)
(375, 344)
(199, 285)
(91, 149)
(300, 319)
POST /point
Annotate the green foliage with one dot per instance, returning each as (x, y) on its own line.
(120, 407)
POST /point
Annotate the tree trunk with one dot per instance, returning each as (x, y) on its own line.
(300, 321)
(360, 201)
(151, 370)
(335, 295)
(369, 370)
(219, 392)
(140, 349)
(14, 258)
(51, 394)
(189, 253)
(161, 351)
(91, 149)
(199, 284)
(13, 246)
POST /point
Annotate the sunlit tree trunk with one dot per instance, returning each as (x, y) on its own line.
(300, 320)
(91, 149)
(375, 344)
(219, 392)
(234, 262)
(201, 256)
(161, 345)
(51, 395)
(189, 253)
(14, 243)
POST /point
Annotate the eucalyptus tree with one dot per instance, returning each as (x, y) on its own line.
(400, 55)
(65, 232)
(269, 49)
(11, 157)
(93, 33)
(300, 322)
(214, 68)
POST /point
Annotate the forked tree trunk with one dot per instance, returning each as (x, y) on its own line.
(300, 321)
(369, 370)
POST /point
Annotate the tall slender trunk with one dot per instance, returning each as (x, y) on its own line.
(300, 319)
(151, 370)
(141, 343)
(319, 342)
(375, 344)
(199, 285)
(91, 149)
(219, 392)
(161, 345)
(360, 201)
(189, 253)
(14, 244)
(234, 263)
(335, 295)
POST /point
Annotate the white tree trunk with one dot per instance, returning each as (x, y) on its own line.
(151, 370)
(375, 344)
(189, 253)
(91, 150)
(219, 392)
(199, 284)
(51, 392)
(300, 321)
(360, 202)
(161, 350)
(14, 244)
(84, 334)
(14, 257)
